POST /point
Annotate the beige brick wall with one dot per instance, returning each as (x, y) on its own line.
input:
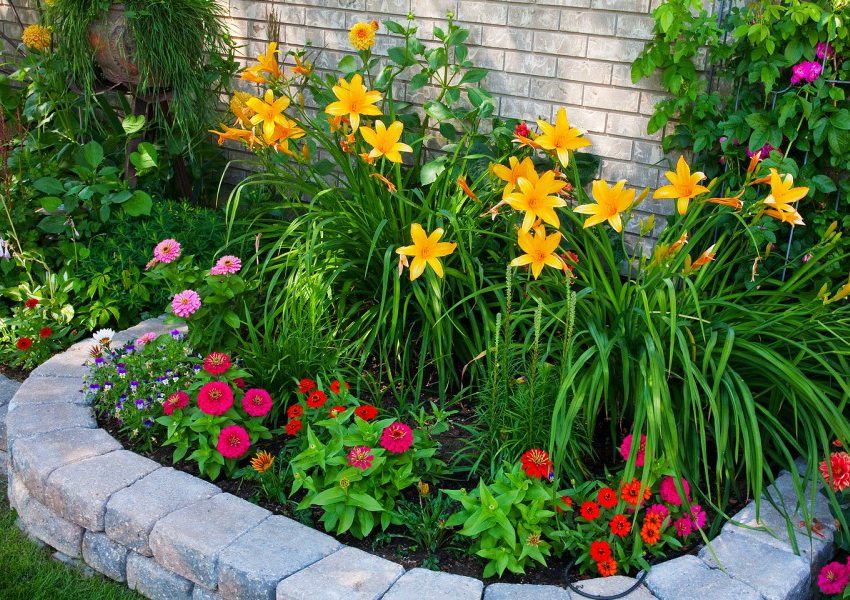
(543, 54)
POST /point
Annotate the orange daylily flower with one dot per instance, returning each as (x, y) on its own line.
(385, 140)
(268, 62)
(704, 258)
(390, 186)
(461, 181)
(539, 251)
(735, 201)
(560, 137)
(754, 161)
(782, 191)
(790, 216)
(232, 133)
(683, 185)
(269, 112)
(302, 67)
(679, 244)
(511, 174)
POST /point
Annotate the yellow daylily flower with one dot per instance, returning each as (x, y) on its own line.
(302, 67)
(560, 137)
(426, 250)
(384, 140)
(535, 197)
(239, 108)
(610, 202)
(539, 251)
(353, 100)
(683, 186)
(268, 61)
(282, 134)
(782, 191)
(269, 112)
(251, 74)
(511, 174)
(789, 215)
(704, 258)
(231, 133)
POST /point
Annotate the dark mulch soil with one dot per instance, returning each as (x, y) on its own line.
(14, 373)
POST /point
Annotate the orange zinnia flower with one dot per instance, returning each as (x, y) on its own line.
(607, 568)
(262, 462)
(650, 533)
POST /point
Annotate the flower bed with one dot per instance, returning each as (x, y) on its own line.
(164, 531)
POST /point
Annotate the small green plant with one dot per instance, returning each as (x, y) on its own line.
(424, 523)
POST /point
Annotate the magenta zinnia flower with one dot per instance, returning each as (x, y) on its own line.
(668, 491)
(215, 398)
(659, 509)
(361, 457)
(698, 516)
(167, 251)
(233, 442)
(186, 303)
(257, 402)
(175, 401)
(626, 449)
(397, 437)
(226, 265)
(216, 363)
(839, 462)
(683, 527)
(833, 578)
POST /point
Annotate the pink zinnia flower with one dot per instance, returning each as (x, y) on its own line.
(167, 251)
(215, 398)
(824, 50)
(186, 303)
(397, 437)
(233, 441)
(698, 516)
(668, 491)
(833, 578)
(226, 265)
(175, 401)
(840, 464)
(626, 449)
(808, 70)
(216, 363)
(146, 338)
(683, 527)
(361, 457)
(257, 402)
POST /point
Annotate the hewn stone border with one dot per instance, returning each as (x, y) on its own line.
(172, 536)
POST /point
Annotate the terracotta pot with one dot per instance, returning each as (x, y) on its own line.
(114, 46)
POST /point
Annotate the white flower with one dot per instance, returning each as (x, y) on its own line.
(103, 336)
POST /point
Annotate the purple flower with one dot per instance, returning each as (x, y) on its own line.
(140, 404)
(196, 368)
(765, 151)
(134, 384)
(148, 423)
(824, 50)
(808, 70)
(94, 387)
(175, 334)
(107, 385)
(100, 361)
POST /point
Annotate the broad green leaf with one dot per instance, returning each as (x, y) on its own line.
(49, 185)
(348, 65)
(92, 154)
(140, 204)
(133, 124)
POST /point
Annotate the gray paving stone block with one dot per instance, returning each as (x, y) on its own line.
(422, 584)
(776, 574)
(35, 458)
(79, 491)
(516, 591)
(40, 522)
(132, 512)
(348, 574)
(49, 390)
(251, 567)
(678, 579)
(70, 363)
(189, 540)
(155, 582)
(611, 586)
(105, 556)
(202, 593)
(31, 419)
(771, 526)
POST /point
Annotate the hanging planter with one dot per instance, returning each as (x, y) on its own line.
(114, 46)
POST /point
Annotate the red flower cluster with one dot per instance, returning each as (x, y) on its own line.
(367, 412)
(316, 399)
(31, 303)
(536, 463)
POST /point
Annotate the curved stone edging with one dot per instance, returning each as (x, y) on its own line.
(172, 536)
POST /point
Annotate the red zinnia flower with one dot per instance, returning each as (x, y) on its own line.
(397, 437)
(631, 492)
(336, 386)
(620, 526)
(336, 411)
(650, 532)
(295, 411)
(239, 382)
(567, 501)
(305, 385)
(366, 412)
(839, 462)
(293, 427)
(607, 497)
(175, 401)
(522, 130)
(536, 463)
(589, 510)
(600, 550)
(31, 303)
(45, 332)
(233, 441)
(607, 567)
(24, 343)
(257, 402)
(216, 363)
(316, 399)
(215, 398)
